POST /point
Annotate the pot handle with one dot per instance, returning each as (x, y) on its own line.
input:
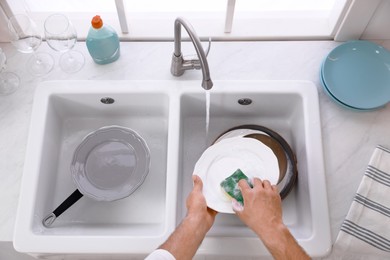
(72, 199)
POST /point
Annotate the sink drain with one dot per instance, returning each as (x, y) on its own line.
(244, 101)
(107, 100)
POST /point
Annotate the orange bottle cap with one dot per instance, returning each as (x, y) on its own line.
(97, 22)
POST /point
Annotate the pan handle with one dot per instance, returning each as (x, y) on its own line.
(72, 199)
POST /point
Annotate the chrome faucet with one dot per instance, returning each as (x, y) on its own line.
(179, 65)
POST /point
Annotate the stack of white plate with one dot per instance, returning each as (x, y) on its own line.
(356, 75)
(257, 151)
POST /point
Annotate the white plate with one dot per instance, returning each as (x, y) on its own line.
(222, 159)
(110, 163)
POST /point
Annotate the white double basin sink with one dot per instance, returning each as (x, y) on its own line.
(171, 118)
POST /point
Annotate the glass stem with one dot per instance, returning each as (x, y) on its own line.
(70, 56)
(38, 61)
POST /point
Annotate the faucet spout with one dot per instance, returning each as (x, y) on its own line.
(179, 65)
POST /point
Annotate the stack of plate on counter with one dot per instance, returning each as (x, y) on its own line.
(356, 75)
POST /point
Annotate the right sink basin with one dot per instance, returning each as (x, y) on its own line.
(289, 108)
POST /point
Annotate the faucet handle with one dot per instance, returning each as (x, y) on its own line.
(192, 61)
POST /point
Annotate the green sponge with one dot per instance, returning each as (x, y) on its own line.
(230, 185)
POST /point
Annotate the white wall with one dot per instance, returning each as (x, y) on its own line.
(3, 27)
(379, 25)
(377, 28)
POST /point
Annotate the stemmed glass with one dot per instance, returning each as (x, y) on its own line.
(26, 37)
(9, 82)
(61, 36)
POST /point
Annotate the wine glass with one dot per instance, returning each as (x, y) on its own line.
(9, 82)
(26, 37)
(61, 36)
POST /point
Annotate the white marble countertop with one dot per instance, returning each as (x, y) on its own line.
(349, 137)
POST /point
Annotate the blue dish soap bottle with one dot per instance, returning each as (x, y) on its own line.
(102, 42)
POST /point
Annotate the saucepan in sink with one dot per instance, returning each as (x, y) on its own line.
(109, 164)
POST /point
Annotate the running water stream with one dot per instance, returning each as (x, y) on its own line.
(207, 115)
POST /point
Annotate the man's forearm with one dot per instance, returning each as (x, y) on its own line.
(186, 239)
(282, 245)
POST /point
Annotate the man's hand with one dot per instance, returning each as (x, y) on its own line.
(262, 212)
(263, 206)
(196, 204)
(187, 237)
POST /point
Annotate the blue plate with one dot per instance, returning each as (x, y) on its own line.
(338, 101)
(357, 74)
(334, 98)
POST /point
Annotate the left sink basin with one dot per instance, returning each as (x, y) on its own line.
(63, 114)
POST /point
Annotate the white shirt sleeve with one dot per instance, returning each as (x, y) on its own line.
(160, 254)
